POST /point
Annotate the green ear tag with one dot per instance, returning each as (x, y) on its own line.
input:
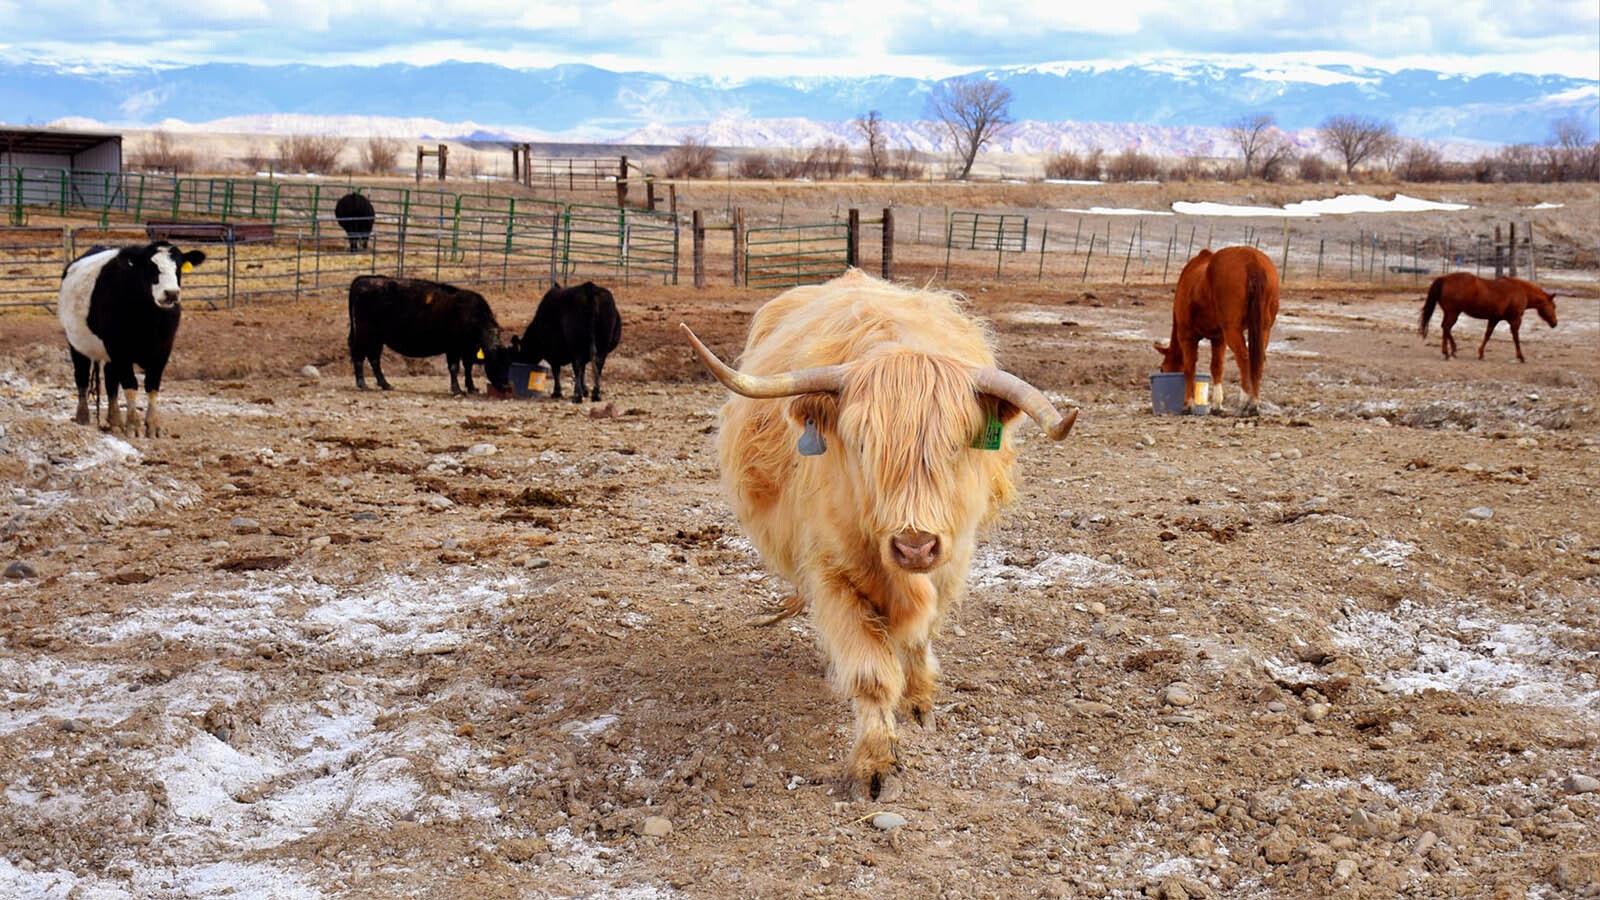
(989, 438)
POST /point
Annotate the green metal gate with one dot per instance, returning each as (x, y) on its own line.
(795, 254)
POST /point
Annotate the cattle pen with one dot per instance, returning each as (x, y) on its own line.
(277, 238)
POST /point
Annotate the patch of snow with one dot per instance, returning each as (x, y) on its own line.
(1417, 647)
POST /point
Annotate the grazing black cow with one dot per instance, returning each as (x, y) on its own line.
(572, 326)
(355, 215)
(414, 317)
(119, 307)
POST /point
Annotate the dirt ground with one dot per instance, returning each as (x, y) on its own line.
(323, 643)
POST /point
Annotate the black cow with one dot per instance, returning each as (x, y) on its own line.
(414, 317)
(355, 215)
(572, 326)
(119, 307)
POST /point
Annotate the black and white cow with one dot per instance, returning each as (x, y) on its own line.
(572, 326)
(119, 308)
(414, 317)
(355, 215)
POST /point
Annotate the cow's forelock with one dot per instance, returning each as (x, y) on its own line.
(912, 418)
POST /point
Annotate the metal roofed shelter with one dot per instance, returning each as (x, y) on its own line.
(60, 150)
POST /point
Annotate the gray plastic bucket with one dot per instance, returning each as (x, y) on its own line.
(533, 381)
(1166, 393)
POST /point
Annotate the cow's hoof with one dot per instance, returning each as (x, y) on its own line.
(881, 787)
(82, 418)
(386, 386)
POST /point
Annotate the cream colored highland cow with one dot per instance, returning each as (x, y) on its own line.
(867, 443)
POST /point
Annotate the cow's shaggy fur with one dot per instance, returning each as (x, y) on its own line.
(877, 532)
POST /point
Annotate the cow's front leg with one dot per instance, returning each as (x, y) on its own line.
(863, 668)
(377, 374)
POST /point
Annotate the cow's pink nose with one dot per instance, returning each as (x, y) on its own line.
(915, 550)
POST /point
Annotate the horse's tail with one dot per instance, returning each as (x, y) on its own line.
(1255, 316)
(1434, 290)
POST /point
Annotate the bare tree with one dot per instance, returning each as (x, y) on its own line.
(877, 157)
(975, 111)
(1573, 154)
(1252, 134)
(1356, 138)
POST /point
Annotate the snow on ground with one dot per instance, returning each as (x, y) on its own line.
(1344, 204)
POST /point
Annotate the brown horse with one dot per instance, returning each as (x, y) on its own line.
(1230, 298)
(1503, 299)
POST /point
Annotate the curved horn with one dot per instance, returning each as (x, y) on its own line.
(1025, 397)
(766, 387)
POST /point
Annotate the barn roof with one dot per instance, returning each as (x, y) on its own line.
(51, 140)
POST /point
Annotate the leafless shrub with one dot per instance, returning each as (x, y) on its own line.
(256, 159)
(159, 152)
(829, 159)
(758, 164)
(905, 166)
(1199, 168)
(316, 153)
(1070, 166)
(1131, 165)
(381, 155)
(1315, 169)
(1518, 163)
(1419, 162)
(692, 158)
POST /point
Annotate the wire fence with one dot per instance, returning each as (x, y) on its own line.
(275, 238)
(1116, 249)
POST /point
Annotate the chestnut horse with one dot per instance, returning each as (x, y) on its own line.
(1230, 298)
(1503, 299)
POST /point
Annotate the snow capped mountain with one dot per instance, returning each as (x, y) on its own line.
(1059, 106)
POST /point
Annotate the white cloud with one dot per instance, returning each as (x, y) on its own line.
(812, 37)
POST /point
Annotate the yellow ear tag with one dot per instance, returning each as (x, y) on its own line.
(187, 268)
(480, 354)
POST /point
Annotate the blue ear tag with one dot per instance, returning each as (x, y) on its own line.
(811, 442)
(989, 438)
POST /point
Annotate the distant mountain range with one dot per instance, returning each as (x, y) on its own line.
(1154, 106)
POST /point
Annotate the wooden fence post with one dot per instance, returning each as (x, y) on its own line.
(1499, 261)
(852, 241)
(1533, 265)
(1512, 243)
(698, 228)
(622, 183)
(738, 246)
(888, 244)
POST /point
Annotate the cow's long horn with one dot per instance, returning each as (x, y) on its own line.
(1027, 398)
(766, 387)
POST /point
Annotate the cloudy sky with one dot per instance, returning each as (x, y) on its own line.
(812, 37)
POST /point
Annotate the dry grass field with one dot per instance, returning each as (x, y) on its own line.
(320, 643)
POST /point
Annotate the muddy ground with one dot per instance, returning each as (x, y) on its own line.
(324, 643)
